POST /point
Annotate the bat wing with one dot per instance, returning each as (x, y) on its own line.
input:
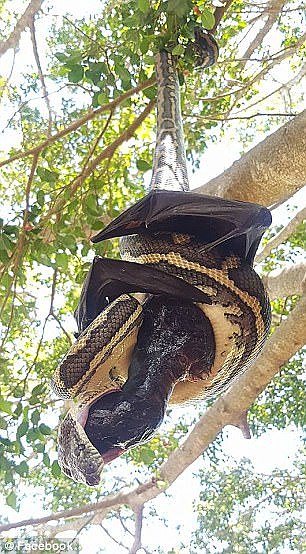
(108, 279)
(237, 225)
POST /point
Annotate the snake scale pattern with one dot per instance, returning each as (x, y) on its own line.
(166, 345)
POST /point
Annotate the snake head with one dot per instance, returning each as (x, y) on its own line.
(78, 458)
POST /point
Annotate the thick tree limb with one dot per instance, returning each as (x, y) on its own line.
(282, 236)
(25, 21)
(229, 409)
(285, 281)
(272, 12)
(270, 172)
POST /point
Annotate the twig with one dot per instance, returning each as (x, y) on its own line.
(125, 528)
(274, 61)
(138, 528)
(226, 118)
(110, 536)
(16, 258)
(83, 526)
(272, 15)
(23, 104)
(41, 75)
(2, 88)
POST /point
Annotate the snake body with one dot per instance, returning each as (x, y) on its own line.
(139, 353)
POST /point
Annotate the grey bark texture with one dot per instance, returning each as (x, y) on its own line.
(270, 172)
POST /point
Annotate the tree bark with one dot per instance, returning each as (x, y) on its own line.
(270, 172)
(285, 281)
(23, 22)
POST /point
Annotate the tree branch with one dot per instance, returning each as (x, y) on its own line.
(275, 60)
(106, 153)
(273, 10)
(287, 339)
(41, 75)
(25, 21)
(282, 236)
(110, 106)
(270, 172)
(138, 528)
(219, 13)
(285, 281)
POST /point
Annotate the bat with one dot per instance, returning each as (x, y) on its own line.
(238, 226)
(108, 279)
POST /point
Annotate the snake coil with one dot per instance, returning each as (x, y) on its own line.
(204, 316)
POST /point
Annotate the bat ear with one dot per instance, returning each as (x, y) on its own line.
(238, 226)
(108, 279)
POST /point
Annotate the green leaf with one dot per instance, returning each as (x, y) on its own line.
(150, 92)
(35, 417)
(40, 198)
(144, 45)
(91, 204)
(76, 74)
(45, 429)
(22, 429)
(179, 7)
(18, 410)
(4, 257)
(123, 73)
(6, 243)
(40, 447)
(102, 98)
(5, 406)
(38, 389)
(11, 500)
(3, 423)
(9, 477)
(143, 5)
(55, 469)
(62, 260)
(143, 165)
(46, 175)
(207, 18)
(22, 469)
(148, 456)
(178, 50)
(61, 56)
(46, 459)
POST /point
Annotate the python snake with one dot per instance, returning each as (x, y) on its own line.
(203, 317)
